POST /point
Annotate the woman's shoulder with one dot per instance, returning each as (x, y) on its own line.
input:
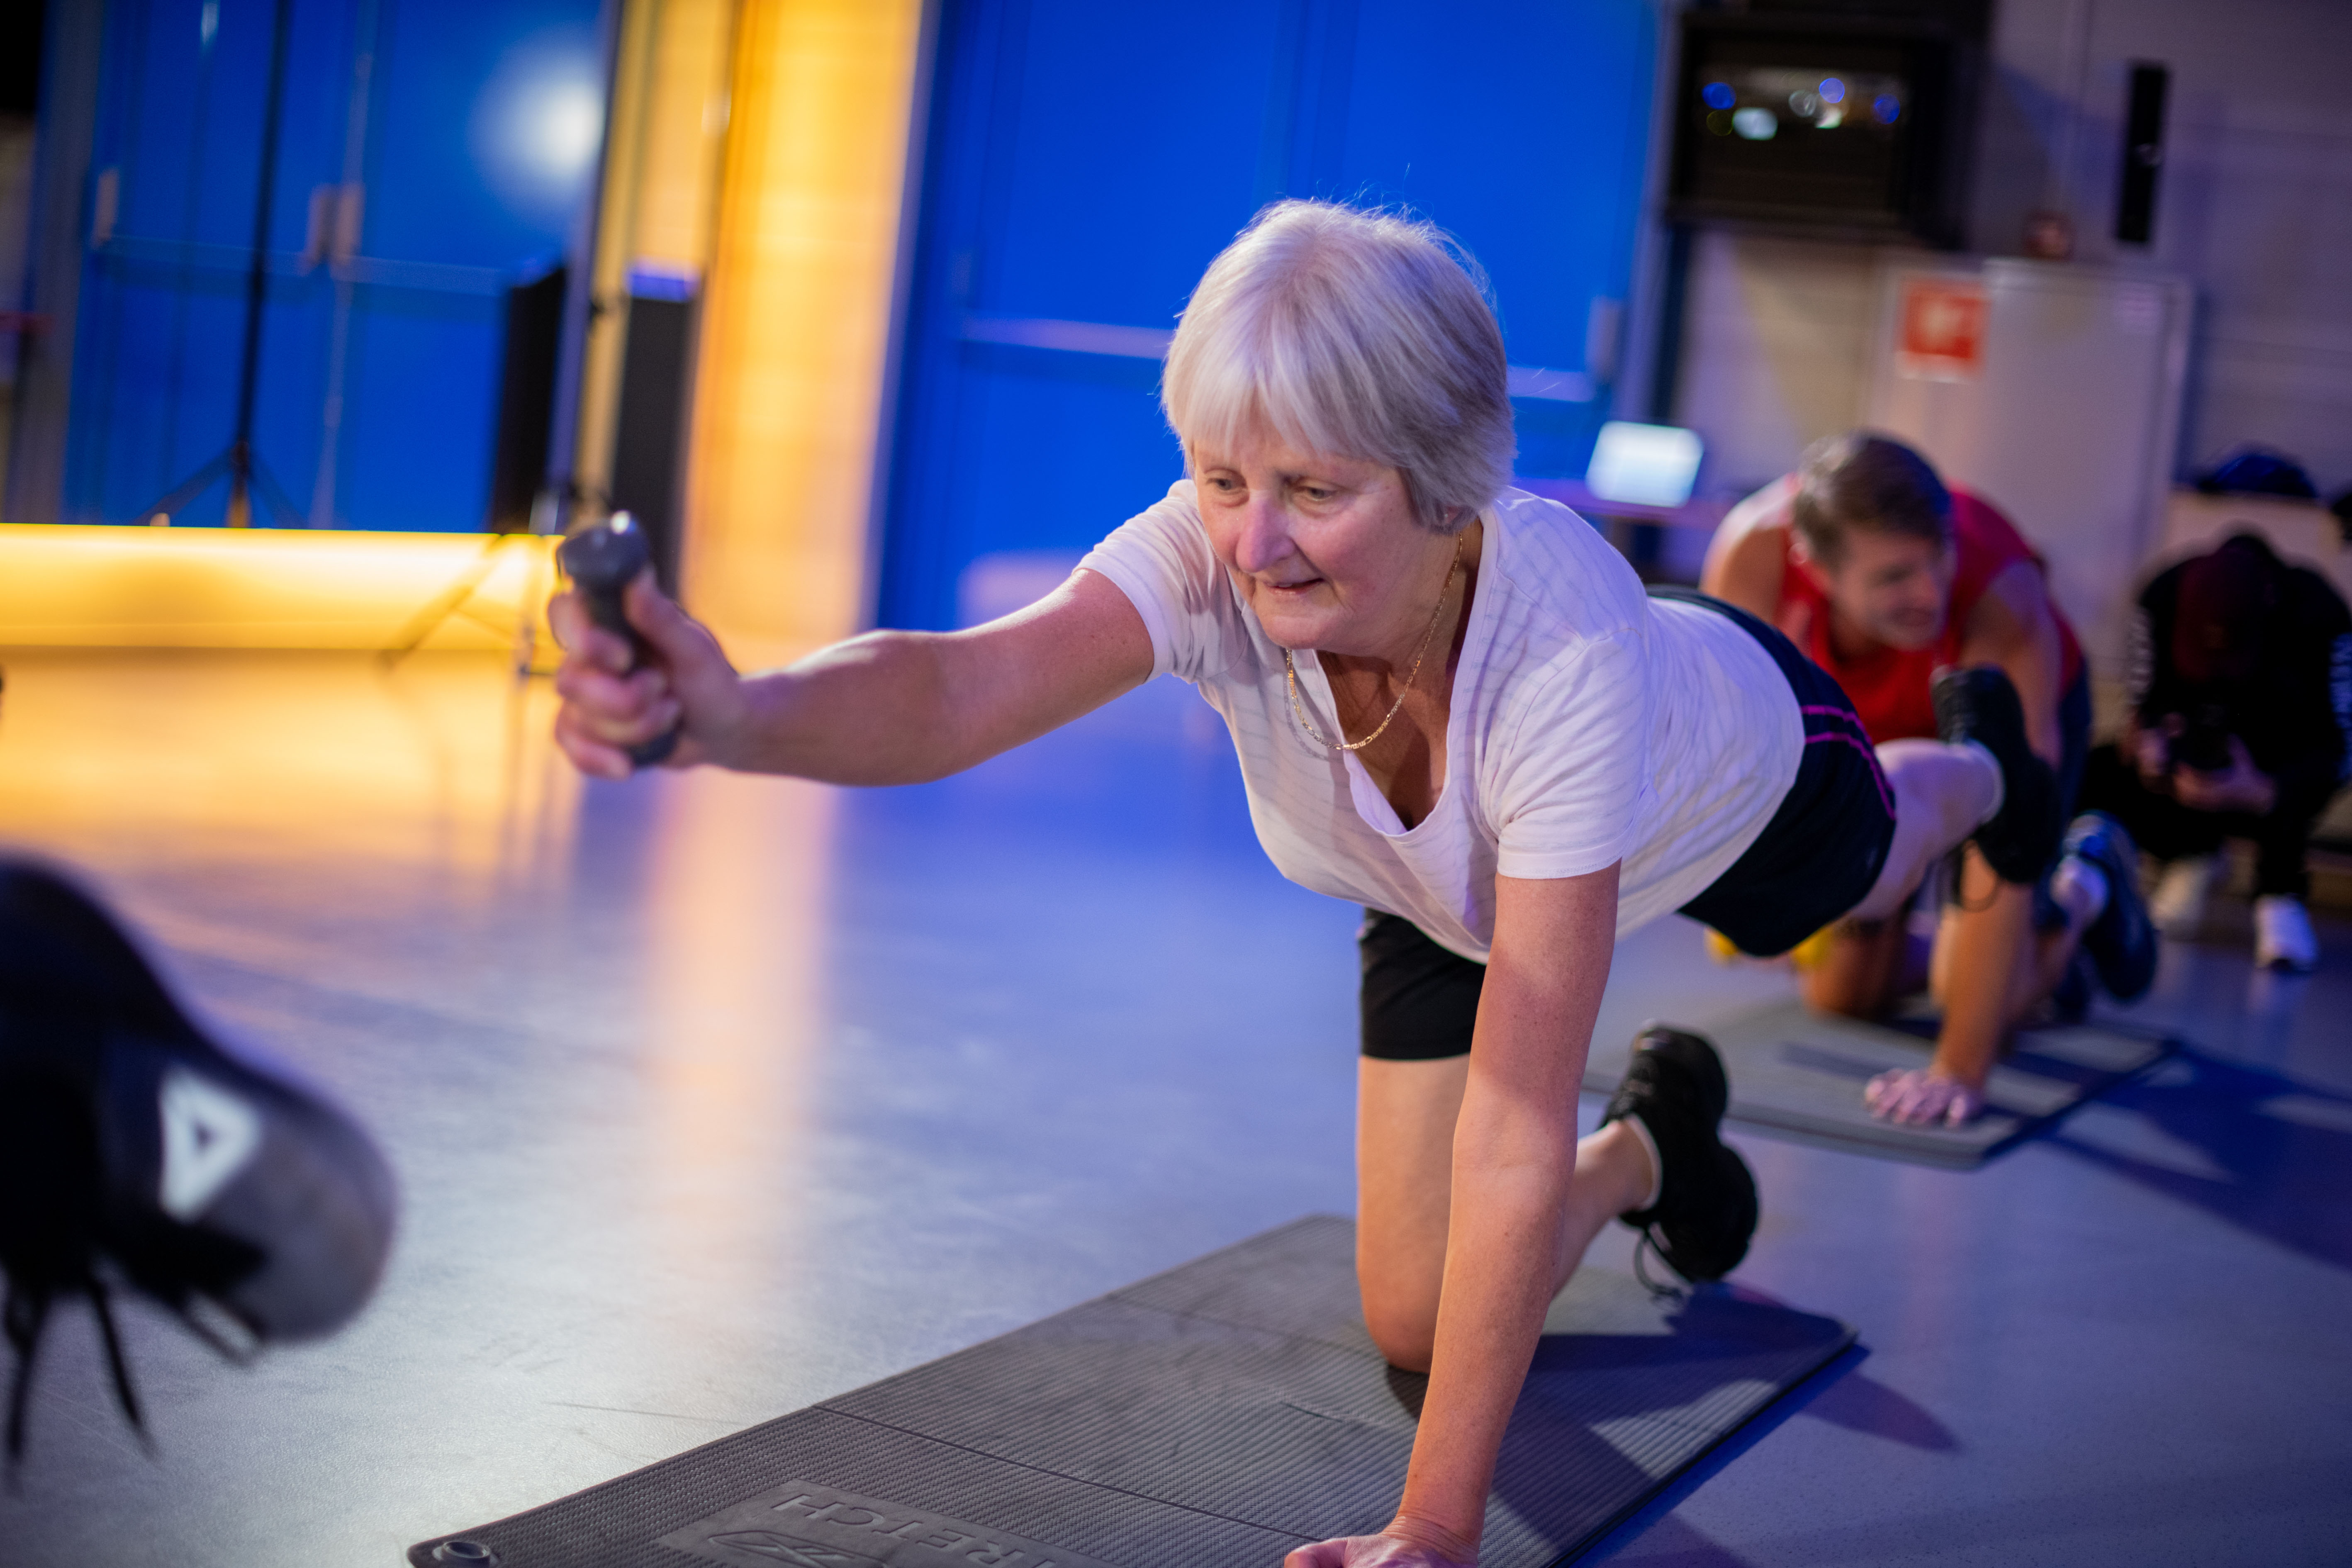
(1561, 583)
(1168, 531)
(1160, 560)
(1179, 508)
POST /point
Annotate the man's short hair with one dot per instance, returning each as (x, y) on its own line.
(1356, 334)
(1863, 480)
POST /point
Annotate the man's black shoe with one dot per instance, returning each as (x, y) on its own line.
(1706, 1212)
(134, 1151)
(1979, 704)
(2122, 942)
(2070, 999)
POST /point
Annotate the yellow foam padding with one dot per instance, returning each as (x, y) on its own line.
(1806, 954)
(1809, 953)
(97, 586)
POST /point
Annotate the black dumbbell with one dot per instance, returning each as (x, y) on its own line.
(601, 559)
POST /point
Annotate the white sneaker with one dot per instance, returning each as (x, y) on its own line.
(2178, 906)
(2282, 938)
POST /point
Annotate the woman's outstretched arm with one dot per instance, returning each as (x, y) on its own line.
(884, 708)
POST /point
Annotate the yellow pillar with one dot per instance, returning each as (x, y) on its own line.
(797, 319)
(665, 137)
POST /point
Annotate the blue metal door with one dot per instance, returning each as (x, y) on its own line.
(431, 153)
(1083, 163)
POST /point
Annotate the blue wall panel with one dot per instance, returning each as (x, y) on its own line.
(1531, 152)
(478, 125)
(1062, 437)
(1132, 156)
(1083, 163)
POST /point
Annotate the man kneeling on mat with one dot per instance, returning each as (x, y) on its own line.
(1453, 705)
(1886, 577)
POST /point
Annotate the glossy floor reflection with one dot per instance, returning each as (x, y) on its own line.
(711, 1096)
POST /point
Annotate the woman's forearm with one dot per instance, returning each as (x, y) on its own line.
(1507, 1247)
(871, 710)
(905, 707)
(1502, 1267)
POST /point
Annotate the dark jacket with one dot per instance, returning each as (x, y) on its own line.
(2295, 714)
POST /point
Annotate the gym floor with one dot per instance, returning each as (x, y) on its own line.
(711, 1096)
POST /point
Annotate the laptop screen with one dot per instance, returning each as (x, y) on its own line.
(1646, 465)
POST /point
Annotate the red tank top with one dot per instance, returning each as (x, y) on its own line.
(1889, 686)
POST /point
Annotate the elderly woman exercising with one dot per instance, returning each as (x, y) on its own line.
(1454, 704)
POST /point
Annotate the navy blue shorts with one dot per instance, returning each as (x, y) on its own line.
(1824, 848)
(1815, 859)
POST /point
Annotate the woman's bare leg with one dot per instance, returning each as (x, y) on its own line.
(1406, 1113)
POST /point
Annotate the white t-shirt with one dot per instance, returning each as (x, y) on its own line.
(1590, 724)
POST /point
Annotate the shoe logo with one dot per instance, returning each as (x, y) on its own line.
(209, 1135)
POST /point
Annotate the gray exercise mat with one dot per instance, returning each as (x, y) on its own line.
(1220, 1413)
(1801, 1073)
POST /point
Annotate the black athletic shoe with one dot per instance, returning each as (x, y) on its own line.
(2122, 942)
(132, 1151)
(1706, 1212)
(1979, 704)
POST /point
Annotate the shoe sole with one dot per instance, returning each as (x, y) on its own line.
(2018, 851)
(1693, 1053)
(1692, 1257)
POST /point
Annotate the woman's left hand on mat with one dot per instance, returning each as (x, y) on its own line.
(1407, 1544)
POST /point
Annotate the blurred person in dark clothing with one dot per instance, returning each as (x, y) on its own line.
(2241, 679)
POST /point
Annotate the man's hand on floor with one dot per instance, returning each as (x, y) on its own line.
(1920, 1097)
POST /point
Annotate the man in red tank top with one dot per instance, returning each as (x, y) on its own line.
(1884, 576)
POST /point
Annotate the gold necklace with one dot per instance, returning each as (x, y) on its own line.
(1290, 675)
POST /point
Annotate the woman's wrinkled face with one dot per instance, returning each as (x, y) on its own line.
(1324, 550)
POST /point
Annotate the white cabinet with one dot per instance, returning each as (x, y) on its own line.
(2054, 391)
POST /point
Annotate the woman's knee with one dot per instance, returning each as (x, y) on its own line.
(1404, 1332)
(1400, 1296)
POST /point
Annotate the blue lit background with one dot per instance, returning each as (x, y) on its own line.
(1086, 161)
(1083, 163)
(481, 128)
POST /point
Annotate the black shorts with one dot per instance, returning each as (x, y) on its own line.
(1825, 846)
(1815, 859)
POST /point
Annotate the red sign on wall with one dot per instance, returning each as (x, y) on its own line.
(1942, 333)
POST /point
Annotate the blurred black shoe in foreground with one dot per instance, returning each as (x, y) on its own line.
(134, 1152)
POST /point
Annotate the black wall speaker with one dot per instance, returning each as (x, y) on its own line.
(649, 440)
(2143, 153)
(526, 400)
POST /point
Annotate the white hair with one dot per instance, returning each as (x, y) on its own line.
(1355, 334)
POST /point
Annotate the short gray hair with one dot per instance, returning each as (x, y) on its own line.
(1354, 333)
